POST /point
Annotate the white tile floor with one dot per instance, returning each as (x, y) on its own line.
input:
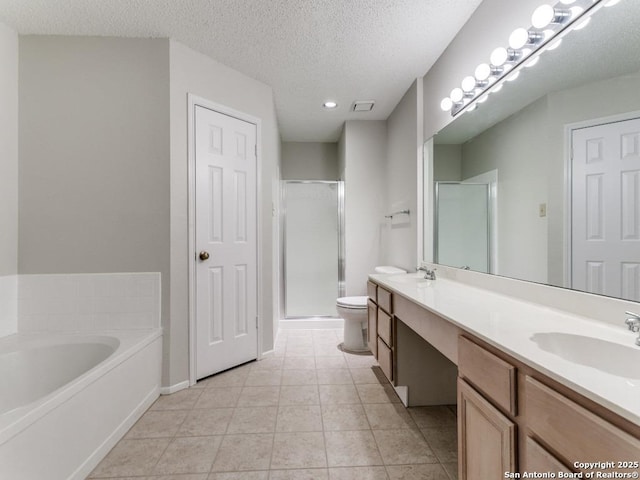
(308, 412)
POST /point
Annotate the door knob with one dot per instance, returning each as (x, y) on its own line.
(204, 255)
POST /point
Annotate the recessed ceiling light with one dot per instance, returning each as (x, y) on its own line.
(329, 104)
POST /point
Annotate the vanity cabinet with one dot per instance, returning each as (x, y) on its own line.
(572, 432)
(372, 318)
(380, 336)
(486, 413)
(512, 418)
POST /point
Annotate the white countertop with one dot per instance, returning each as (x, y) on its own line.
(510, 325)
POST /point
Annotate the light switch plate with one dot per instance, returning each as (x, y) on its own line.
(542, 210)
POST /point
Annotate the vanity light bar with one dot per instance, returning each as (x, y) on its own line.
(549, 24)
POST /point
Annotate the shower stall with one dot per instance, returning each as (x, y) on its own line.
(313, 247)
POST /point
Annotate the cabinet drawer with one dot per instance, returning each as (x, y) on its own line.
(371, 291)
(384, 300)
(372, 327)
(576, 434)
(488, 373)
(384, 327)
(385, 359)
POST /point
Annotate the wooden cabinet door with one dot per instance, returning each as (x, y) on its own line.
(486, 438)
(536, 458)
(372, 328)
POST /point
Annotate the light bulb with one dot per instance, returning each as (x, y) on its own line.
(531, 63)
(483, 98)
(483, 72)
(456, 95)
(446, 104)
(330, 104)
(519, 38)
(576, 11)
(497, 88)
(472, 107)
(469, 84)
(611, 3)
(499, 56)
(543, 16)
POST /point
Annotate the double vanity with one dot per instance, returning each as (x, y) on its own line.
(539, 390)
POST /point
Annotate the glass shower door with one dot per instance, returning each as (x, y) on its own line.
(312, 230)
(462, 225)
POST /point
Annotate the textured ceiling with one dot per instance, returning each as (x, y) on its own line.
(306, 50)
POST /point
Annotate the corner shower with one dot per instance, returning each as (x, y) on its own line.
(312, 247)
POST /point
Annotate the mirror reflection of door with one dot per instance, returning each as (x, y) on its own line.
(605, 225)
(462, 225)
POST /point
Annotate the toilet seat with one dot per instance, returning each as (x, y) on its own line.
(355, 303)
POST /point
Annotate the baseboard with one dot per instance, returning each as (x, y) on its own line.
(312, 323)
(174, 388)
(403, 393)
(268, 353)
(99, 453)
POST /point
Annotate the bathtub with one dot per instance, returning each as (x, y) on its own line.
(66, 399)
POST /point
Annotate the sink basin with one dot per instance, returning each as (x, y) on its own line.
(592, 352)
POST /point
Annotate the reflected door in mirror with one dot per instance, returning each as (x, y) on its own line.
(606, 209)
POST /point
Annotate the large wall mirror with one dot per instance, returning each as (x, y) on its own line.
(559, 153)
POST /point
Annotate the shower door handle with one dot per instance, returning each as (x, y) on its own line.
(204, 255)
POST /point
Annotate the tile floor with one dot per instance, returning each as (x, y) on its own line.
(308, 412)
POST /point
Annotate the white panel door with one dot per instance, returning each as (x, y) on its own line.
(226, 245)
(606, 209)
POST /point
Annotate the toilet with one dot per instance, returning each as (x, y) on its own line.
(354, 312)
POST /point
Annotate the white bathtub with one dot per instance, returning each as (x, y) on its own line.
(66, 399)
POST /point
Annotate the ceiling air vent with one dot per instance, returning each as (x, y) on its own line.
(363, 106)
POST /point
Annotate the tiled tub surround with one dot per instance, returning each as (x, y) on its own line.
(88, 302)
(66, 432)
(8, 305)
(308, 412)
(510, 324)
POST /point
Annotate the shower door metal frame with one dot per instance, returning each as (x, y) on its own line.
(341, 245)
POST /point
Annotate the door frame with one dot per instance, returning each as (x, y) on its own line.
(192, 102)
(568, 164)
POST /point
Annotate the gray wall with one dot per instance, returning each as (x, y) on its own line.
(447, 163)
(516, 147)
(94, 156)
(8, 180)
(103, 165)
(192, 72)
(364, 144)
(309, 161)
(399, 240)
(94, 163)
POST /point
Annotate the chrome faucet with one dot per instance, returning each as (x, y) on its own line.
(633, 322)
(428, 274)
